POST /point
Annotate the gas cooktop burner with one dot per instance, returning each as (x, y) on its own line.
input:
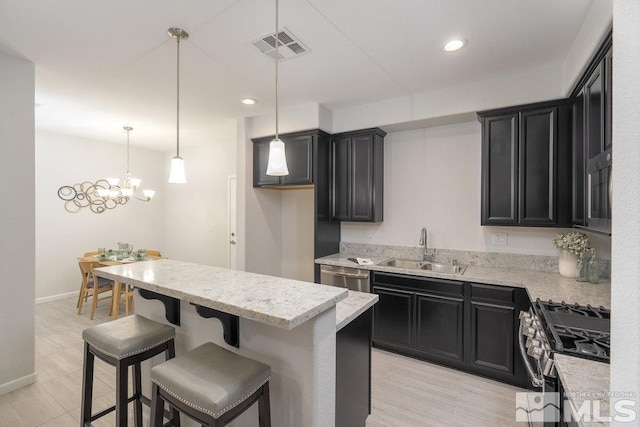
(576, 309)
(578, 330)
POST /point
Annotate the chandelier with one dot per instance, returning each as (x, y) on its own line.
(103, 194)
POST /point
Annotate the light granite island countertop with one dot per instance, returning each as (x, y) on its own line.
(290, 325)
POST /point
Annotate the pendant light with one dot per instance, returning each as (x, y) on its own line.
(176, 175)
(277, 164)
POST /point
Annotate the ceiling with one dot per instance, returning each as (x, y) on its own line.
(102, 65)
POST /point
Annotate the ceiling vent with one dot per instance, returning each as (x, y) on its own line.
(290, 46)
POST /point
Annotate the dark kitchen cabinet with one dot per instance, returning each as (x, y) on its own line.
(439, 325)
(578, 200)
(393, 317)
(299, 152)
(420, 317)
(526, 165)
(357, 175)
(468, 326)
(597, 93)
(592, 142)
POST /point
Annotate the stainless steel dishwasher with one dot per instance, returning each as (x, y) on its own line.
(355, 279)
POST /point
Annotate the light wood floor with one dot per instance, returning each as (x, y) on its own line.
(406, 392)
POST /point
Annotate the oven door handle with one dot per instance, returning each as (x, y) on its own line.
(536, 379)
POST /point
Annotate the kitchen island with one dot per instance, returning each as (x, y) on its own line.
(287, 324)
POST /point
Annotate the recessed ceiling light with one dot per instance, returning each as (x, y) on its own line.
(249, 101)
(454, 45)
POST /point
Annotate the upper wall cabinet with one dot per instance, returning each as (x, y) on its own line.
(592, 153)
(357, 175)
(526, 165)
(299, 149)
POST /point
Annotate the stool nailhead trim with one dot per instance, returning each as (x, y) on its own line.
(213, 414)
(142, 350)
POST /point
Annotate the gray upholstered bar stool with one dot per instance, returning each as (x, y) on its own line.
(122, 343)
(211, 385)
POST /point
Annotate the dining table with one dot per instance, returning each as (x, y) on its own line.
(117, 286)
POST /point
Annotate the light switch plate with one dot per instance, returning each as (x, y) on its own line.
(499, 239)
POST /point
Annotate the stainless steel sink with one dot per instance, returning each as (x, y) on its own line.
(402, 263)
(444, 268)
(424, 265)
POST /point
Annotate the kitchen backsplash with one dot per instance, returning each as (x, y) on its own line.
(488, 259)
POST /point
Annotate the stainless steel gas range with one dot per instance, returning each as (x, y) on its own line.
(549, 328)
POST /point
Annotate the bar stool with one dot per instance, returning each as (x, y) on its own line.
(211, 385)
(122, 343)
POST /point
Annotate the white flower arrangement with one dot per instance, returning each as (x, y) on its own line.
(571, 241)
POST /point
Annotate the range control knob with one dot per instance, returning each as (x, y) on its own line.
(530, 331)
(535, 352)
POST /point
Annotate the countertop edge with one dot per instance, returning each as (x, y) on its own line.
(353, 306)
(267, 319)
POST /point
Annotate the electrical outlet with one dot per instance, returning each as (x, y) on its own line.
(499, 239)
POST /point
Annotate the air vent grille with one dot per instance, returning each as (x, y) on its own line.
(289, 45)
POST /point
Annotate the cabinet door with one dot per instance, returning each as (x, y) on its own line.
(392, 317)
(299, 152)
(492, 337)
(594, 105)
(362, 178)
(499, 169)
(439, 326)
(608, 96)
(260, 160)
(537, 153)
(578, 162)
(341, 179)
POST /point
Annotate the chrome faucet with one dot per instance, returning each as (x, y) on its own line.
(423, 242)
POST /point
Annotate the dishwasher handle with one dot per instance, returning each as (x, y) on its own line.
(344, 274)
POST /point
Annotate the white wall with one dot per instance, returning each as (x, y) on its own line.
(17, 224)
(297, 234)
(196, 225)
(63, 236)
(594, 27)
(432, 179)
(625, 298)
(531, 86)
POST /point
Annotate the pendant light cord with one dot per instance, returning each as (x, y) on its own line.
(277, 55)
(178, 99)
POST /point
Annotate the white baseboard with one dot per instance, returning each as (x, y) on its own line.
(19, 383)
(56, 297)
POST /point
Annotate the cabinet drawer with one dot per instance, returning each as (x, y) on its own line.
(480, 291)
(439, 286)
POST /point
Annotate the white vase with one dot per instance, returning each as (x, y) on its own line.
(568, 264)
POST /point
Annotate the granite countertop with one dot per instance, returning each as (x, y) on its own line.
(539, 284)
(275, 301)
(580, 387)
(353, 306)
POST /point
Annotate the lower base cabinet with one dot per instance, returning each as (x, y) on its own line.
(353, 372)
(468, 326)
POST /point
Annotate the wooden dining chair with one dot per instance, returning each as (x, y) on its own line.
(92, 253)
(89, 287)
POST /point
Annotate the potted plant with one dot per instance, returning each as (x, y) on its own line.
(571, 244)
